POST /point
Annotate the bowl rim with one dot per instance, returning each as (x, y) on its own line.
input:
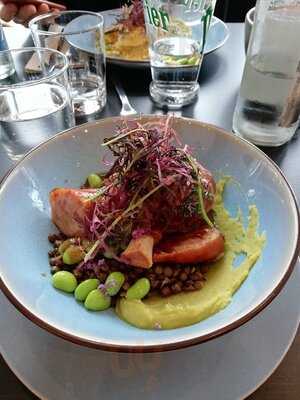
(120, 348)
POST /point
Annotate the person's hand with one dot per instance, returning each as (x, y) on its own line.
(21, 13)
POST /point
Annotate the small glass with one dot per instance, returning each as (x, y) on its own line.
(34, 104)
(268, 107)
(177, 32)
(79, 35)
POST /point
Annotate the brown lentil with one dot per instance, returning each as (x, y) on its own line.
(204, 269)
(176, 272)
(165, 282)
(198, 285)
(104, 268)
(102, 276)
(165, 279)
(155, 284)
(188, 288)
(176, 288)
(151, 277)
(52, 253)
(168, 272)
(166, 291)
(158, 270)
(57, 243)
(196, 276)
(56, 261)
(52, 238)
(183, 276)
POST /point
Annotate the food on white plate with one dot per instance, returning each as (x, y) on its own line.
(127, 38)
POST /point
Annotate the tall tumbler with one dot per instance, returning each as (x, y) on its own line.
(177, 32)
(268, 107)
(34, 105)
(79, 35)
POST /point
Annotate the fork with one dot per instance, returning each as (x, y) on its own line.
(127, 108)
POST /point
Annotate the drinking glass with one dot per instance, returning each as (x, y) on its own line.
(268, 106)
(177, 32)
(6, 67)
(34, 105)
(79, 35)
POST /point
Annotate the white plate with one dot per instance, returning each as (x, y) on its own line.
(228, 368)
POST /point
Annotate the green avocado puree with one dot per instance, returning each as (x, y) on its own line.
(223, 279)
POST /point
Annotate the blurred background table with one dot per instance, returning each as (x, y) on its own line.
(219, 80)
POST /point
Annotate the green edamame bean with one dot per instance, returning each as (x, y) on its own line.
(65, 281)
(139, 289)
(94, 181)
(65, 244)
(97, 301)
(114, 282)
(73, 255)
(84, 288)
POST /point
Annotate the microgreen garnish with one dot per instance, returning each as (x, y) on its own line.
(153, 184)
(200, 205)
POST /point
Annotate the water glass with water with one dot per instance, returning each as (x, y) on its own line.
(34, 105)
(268, 107)
(177, 32)
(79, 35)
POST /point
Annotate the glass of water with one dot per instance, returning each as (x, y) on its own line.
(79, 35)
(177, 32)
(34, 103)
(267, 112)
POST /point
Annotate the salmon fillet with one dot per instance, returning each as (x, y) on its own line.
(139, 252)
(204, 245)
(70, 208)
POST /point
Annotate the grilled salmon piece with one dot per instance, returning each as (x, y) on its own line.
(139, 252)
(204, 245)
(70, 208)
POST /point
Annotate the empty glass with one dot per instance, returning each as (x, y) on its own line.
(79, 35)
(34, 104)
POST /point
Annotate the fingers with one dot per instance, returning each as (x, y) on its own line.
(26, 12)
(11, 11)
(43, 8)
(8, 12)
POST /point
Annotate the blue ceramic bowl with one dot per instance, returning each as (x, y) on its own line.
(65, 160)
